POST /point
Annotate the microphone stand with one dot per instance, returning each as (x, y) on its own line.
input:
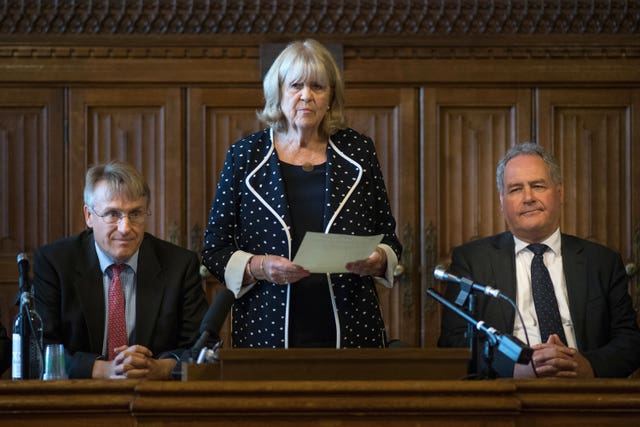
(465, 294)
(506, 344)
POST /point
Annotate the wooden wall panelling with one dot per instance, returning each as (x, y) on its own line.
(465, 132)
(143, 126)
(88, 50)
(594, 135)
(633, 268)
(389, 117)
(31, 181)
(217, 117)
(590, 132)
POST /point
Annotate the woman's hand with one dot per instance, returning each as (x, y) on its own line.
(278, 270)
(375, 265)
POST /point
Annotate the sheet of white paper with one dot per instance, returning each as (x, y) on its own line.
(328, 253)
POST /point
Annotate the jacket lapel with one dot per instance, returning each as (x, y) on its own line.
(149, 291)
(90, 289)
(343, 176)
(265, 181)
(575, 274)
(504, 270)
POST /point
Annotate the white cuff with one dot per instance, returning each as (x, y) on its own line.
(234, 273)
(392, 261)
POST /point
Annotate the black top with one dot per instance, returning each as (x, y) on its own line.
(311, 319)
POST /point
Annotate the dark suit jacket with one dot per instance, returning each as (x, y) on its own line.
(170, 300)
(604, 321)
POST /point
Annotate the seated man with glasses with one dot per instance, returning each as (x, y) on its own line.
(124, 303)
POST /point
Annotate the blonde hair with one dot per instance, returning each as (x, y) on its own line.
(303, 61)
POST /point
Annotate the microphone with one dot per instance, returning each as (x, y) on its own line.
(214, 318)
(440, 273)
(508, 345)
(23, 268)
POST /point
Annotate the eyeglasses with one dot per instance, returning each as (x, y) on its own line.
(114, 216)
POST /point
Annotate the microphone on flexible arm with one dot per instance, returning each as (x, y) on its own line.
(440, 273)
(213, 320)
(467, 285)
(508, 345)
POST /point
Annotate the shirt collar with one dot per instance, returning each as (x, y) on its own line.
(106, 261)
(552, 241)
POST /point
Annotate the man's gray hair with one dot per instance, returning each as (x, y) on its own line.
(528, 149)
(121, 178)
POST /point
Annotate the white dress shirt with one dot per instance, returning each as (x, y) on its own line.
(524, 296)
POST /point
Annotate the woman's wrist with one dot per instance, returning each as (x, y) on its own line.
(249, 277)
(265, 276)
(383, 260)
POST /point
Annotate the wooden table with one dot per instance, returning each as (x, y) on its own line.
(115, 403)
(324, 388)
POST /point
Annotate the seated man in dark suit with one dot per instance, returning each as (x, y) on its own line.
(585, 325)
(123, 302)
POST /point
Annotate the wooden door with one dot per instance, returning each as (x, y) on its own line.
(217, 117)
(591, 133)
(389, 117)
(142, 126)
(31, 182)
(466, 132)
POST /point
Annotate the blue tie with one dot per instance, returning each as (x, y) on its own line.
(544, 298)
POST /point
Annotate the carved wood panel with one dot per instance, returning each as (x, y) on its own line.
(217, 118)
(31, 181)
(142, 126)
(594, 135)
(466, 132)
(142, 121)
(31, 167)
(388, 116)
(390, 18)
(590, 133)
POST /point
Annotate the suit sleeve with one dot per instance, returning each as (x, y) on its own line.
(48, 302)
(454, 328)
(386, 221)
(194, 304)
(219, 236)
(612, 344)
(471, 261)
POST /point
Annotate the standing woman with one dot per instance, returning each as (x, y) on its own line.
(307, 172)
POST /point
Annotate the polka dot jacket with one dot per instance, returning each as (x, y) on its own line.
(250, 214)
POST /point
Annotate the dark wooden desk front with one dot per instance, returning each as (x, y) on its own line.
(320, 403)
(326, 388)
